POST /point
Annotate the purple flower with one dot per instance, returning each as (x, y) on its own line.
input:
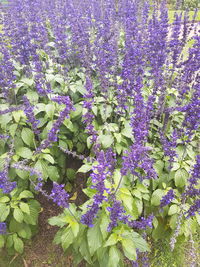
(100, 173)
(59, 195)
(143, 223)
(116, 214)
(5, 184)
(195, 207)
(166, 200)
(29, 111)
(3, 228)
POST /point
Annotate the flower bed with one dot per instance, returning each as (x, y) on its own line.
(115, 86)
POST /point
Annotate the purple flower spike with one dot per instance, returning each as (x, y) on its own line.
(30, 115)
(59, 195)
(166, 200)
(3, 228)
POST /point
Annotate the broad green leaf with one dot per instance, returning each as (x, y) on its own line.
(28, 81)
(180, 178)
(106, 140)
(67, 238)
(50, 109)
(22, 174)
(84, 250)
(173, 209)
(9, 241)
(105, 220)
(48, 158)
(114, 256)
(156, 197)
(26, 194)
(24, 207)
(18, 215)
(57, 221)
(75, 227)
(4, 211)
(24, 152)
(53, 173)
(12, 129)
(139, 242)
(112, 240)
(129, 249)
(158, 166)
(4, 199)
(18, 244)
(32, 96)
(27, 136)
(105, 111)
(127, 132)
(71, 174)
(17, 115)
(95, 238)
(15, 226)
(85, 168)
(126, 198)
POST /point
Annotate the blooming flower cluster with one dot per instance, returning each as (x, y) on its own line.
(100, 173)
(29, 111)
(59, 195)
(166, 200)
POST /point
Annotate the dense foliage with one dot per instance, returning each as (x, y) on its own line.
(115, 85)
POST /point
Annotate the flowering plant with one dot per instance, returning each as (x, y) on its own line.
(112, 84)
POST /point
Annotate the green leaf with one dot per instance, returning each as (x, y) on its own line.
(57, 221)
(53, 173)
(106, 140)
(127, 200)
(32, 96)
(28, 81)
(139, 242)
(2, 241)
(32, 217)
(4, 211)
(17, 115)
(71, 174)
(24, 152)
(50, 109)
(159, 166)
(18, 244)
(105, 112)
(173, 209)
(112, 240)
(26, 194)
(95, 238)
(127, 132)
(114, 256)
(15, 226)
(24, 207)
(12, 129)
(4, 199)
(22, 174)
(180, 178)
(48, 158)
(9, 241)
(18, 215)
(67, 238)
(129, 249)
(156, 197)
(84, 250)
(85, 168)
(27, 136)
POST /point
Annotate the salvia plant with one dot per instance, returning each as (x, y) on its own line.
(114, 86)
